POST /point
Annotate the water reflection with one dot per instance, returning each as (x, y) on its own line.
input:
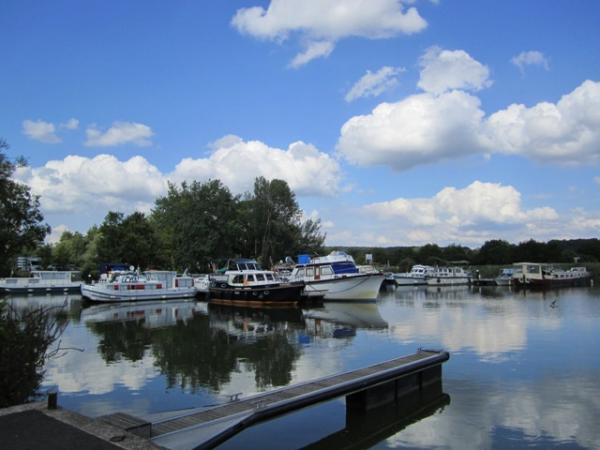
(524, 368)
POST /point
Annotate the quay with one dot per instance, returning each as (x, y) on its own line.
(410, 383)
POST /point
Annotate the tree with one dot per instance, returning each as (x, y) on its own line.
(197, 223)
(275, 226)
(21, 224)
(130, 239)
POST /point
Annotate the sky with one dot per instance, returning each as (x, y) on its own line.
(395, 122)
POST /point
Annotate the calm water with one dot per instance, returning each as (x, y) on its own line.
(524, 368)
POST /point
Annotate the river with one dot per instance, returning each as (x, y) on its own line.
(524, 369)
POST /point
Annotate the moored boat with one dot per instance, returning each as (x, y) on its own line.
(337, 277)
(417, 276)
(134, 286)
(448, 276)
(42, 282)
(505, 277)
(244, 282)
(536, 275)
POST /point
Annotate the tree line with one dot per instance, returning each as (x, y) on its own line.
(494, 252)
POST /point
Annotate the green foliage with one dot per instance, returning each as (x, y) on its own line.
(130, 239)
(196, 224)
(25, 337)
(21, 225)
(273, 223)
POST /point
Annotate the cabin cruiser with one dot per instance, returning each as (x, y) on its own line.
(133, 286)
(535, 275)
(417, 276)
(448, 276)
(336, 277)
(244, 281)
(42, 282)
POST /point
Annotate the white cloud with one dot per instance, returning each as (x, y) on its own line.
(92, 186)
(320, 49)
(567, 131)
(78, 184)
(420, 129)
(478, 203)
(41, 131)
(443, 70)
(237, 163)
(530, 58)
(119, 134)
(321, 23)
(56, 233)
(374, 84)
(427, 128)
(71, 124)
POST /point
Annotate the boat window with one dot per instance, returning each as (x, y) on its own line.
(326, 270)
(238, 279)
(533, 269)
(260, 277)
(269, 276)
(300, 273)
(250, 277)
(310, 272)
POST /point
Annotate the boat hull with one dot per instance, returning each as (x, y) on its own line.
(289, 294)
(447, 281)
(409, 281)
(358, 287)
(24, 290)
(98, 293)
(548, 283)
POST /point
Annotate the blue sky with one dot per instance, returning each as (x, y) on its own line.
(396, 122)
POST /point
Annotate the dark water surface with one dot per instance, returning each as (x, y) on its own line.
(524, 368)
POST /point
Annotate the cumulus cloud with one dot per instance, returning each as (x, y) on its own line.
(96, 185)
(78, 183)
(443, 70)
(374, 84)
(427, 128)
(477, 203)
(530, 58)
(420, 129)
(119, 133)
(41, 131)
(567, 131)
(237, 163)
(71, 124)
(321, 23)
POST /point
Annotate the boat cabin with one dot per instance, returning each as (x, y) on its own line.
(336, 264)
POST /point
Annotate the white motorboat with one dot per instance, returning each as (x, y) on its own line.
(133, 286)
(448, 276)
(42, 282)
(336, 277)
(417, 276)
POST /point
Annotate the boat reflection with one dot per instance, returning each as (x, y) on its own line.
(151, 314)
(355, 315)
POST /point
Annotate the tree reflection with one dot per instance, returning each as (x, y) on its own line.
(200, 351)
(25, 336)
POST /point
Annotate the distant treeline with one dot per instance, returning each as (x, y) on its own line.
(491, 252)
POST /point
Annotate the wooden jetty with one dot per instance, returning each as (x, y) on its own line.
(365, 389)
